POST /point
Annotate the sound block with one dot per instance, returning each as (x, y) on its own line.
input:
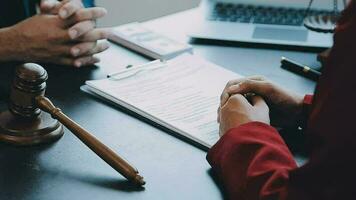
(24, 132)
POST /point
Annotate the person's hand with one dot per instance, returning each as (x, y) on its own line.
(74, 11)
(238, 110)
(285, 106)
(49, 39)
(70, 41)
(64, 8)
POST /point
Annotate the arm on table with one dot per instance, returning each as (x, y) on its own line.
(253, 162)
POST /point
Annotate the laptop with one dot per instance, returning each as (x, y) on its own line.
(278, 22)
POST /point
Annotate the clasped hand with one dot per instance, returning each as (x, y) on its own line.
(255, 99)
(64, 33)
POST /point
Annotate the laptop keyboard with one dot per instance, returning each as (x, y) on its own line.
(260, 14)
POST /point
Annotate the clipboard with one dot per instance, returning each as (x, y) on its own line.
(181, 94)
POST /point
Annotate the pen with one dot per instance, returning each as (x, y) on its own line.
(300, 69)
(133, 70)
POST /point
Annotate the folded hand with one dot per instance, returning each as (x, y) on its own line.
(65, 33)
(285, 106)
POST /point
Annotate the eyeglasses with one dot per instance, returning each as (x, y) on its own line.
(323, 23)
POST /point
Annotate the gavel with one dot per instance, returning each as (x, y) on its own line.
(25, 123)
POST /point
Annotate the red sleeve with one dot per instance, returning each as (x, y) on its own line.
(252, 162)
(308, 100)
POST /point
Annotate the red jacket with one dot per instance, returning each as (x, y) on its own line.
(253, 162)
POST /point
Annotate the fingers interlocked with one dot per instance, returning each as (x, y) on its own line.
(243, 86)
(83, 36)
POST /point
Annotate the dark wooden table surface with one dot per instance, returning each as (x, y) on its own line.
(173, 168)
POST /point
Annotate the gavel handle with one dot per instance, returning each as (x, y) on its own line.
(104, 152)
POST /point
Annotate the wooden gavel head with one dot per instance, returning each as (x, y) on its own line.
(24, 123)
(29, 83)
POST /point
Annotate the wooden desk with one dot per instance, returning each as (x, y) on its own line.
(173, 169)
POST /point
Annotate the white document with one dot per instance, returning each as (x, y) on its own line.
(181, 94)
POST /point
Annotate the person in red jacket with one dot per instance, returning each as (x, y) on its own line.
(251, 159)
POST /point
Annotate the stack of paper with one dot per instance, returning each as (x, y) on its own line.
(140, 39)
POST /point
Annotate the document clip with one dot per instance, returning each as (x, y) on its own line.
(127, 73)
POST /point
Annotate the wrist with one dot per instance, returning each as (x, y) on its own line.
(306, 109)
(300, 110)
(10, 50)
